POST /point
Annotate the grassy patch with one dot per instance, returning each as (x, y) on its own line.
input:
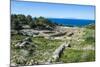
(71, 55)
(89, 37)
(17, 37)
(46, 44)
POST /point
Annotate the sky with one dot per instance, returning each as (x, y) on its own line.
(52, 10)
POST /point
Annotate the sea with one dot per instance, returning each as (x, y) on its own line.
(72, 22)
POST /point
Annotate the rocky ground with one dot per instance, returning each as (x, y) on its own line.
(81, 48)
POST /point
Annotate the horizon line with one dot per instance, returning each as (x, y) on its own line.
(55, 17)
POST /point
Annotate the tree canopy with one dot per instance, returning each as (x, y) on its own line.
(17, 21)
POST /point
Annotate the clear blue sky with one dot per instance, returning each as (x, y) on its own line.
(51, 10)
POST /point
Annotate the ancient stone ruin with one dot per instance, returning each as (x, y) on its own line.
(24, 42)
(57, 52)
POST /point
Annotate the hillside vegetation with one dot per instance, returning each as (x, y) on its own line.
(18, 21)
(36, 40)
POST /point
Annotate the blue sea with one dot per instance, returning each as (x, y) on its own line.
(72, 22)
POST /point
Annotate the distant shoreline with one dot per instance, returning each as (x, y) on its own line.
(72, 22)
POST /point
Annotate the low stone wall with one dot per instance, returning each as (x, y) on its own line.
(23, 42)
(57, 52)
